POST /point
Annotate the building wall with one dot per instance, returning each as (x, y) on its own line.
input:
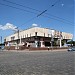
(67, 35)
(42, 33)
(29, 33)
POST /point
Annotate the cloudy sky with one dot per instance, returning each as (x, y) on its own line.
(23, 14)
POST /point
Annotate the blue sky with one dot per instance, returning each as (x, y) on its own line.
(59, 17)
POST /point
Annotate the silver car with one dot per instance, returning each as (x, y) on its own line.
(71, 49)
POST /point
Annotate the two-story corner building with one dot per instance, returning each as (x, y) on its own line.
(37, 37)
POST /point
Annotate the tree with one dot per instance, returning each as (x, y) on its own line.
(71, 42)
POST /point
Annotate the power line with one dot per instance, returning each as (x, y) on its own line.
(49, 18)
(39, 10)
(28, 21)
(17, 8)
(47, 9)
(20, 5)
(59, 20)
(41, 13)
(55, 3)
(33, 12)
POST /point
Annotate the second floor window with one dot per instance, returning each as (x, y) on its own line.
(12, 38)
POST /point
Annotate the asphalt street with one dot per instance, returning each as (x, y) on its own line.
(37, 63)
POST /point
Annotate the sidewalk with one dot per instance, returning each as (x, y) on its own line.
(35, 50)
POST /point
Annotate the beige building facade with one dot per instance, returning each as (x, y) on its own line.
(38, 37)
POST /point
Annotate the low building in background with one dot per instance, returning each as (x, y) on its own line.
(37, 37)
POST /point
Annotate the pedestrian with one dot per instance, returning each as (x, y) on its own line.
(48, 48)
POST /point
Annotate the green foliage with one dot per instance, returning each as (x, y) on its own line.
(54, 43)
(71, 42)
(2, 44)
(62, 42)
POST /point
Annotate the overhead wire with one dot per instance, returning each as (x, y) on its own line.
(28, 21)
(39, 10)
(45, 11)
(65, 20)
(17, 8)
(35, 10)
(47, 8)
(57, 20)
(20, 5)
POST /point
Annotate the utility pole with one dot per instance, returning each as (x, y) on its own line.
(17, 31)
(17, 38)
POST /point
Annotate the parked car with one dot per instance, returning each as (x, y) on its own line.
(71, 49)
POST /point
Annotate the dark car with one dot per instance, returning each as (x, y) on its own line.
(71, 49)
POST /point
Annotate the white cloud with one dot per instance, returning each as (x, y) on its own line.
(8, 26)
(34, 25)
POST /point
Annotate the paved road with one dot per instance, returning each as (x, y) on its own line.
(37, 63)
